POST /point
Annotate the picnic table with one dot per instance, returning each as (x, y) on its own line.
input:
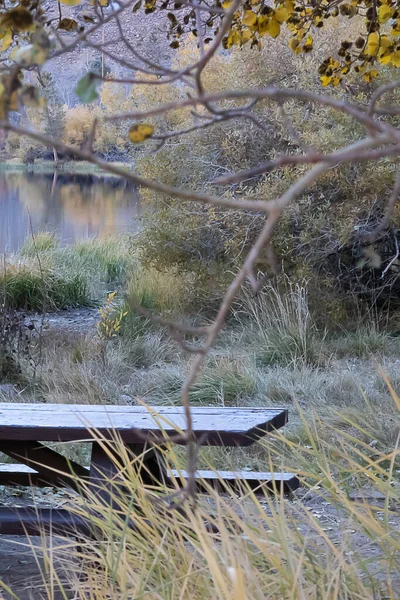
(24, 428)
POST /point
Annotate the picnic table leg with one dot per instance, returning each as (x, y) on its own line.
(104, 471)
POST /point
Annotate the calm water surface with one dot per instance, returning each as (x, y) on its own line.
(71, 206)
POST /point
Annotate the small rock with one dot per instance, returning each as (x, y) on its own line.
(8, 390)
(125, 399)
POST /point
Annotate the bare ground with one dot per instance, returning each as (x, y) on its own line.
(20, 565)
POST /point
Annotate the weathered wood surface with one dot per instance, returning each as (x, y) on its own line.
(54, 469)
(212, 425)
(17, 474)
(13, 474)
(35, 520)
(242, 480)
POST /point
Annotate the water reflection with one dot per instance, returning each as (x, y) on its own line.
(74, 206)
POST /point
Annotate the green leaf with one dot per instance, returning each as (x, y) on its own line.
(86, 88)
(137, 6)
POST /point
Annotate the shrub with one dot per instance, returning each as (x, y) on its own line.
(106, 256)
(43, 241)
(224, 381)
(159, 291)
(77, 124)
(363, 342)
(283, 326)
(319, 234)
(29, 288)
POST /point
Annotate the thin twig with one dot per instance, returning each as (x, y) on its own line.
(395, 257)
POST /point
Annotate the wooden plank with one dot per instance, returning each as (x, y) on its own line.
(224, 426)
(52, 467)
(239, 481)
(35, 520)
(54, 521)
(12, 474)
(126, 409)
(18, 474)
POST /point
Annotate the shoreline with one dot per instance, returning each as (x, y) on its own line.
(71, 166)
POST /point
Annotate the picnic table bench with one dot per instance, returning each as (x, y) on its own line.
(23, 428)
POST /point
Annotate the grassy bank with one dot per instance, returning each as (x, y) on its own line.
(272, 350)
(47, 166)
(46, 276)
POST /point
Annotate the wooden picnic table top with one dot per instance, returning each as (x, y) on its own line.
(217, 426)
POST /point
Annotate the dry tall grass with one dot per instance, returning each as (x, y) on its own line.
(338, 539)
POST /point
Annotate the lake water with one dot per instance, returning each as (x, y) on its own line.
(73, 206)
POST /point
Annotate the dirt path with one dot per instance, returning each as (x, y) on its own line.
(75, 321)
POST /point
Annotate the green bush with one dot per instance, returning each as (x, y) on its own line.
(26, 289)
(43, 241)
(107, 256)
(363, 342)
(225, 382)
(283, 326)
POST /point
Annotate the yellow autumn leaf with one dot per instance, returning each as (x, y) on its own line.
(274, 28)
(29, 55)
(226, 3)
(385, 59)
(301, 33)
(384, 13)
(281, 15)
(372, 44)
(233, 38)
(140, 132)
(250, 18)
(290, 6)
(325, 80)
(71, 2)
(293, 43)
(309, 42)
(370, 75)
(246, 36)
(263, 25)
(395, 59)
(6, 41)
(384, 43)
